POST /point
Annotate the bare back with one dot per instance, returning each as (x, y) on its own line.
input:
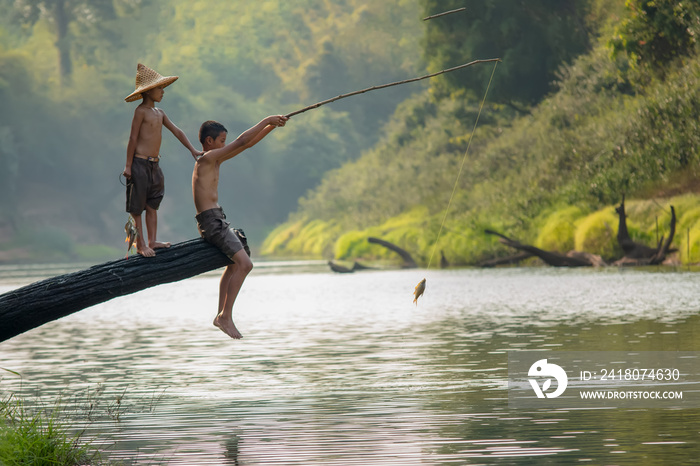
(205, 183)
(150, 131)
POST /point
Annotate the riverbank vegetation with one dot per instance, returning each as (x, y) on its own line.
(39, 438)
(623, 119)
(38, 431)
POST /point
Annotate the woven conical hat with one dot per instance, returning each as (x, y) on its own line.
(147, 79)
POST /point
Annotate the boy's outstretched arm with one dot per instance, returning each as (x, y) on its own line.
(181, 136)
(248, 138)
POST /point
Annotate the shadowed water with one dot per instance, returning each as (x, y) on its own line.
(344, 369)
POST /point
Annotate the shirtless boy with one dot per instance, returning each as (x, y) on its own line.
(211, 220)
(145, 183)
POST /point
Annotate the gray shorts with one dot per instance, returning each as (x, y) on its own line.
(145, 187)
(214, 228)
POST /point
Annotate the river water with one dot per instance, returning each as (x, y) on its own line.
(345, 369)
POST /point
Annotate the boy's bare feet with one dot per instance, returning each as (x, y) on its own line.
(146, 251)
(159, 245)
(228, 327)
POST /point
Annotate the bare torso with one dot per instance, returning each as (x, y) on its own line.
(150, 132)
(205, 184)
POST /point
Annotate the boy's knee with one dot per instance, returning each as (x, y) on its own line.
(245, 265)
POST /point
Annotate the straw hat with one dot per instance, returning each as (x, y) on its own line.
(147, 79)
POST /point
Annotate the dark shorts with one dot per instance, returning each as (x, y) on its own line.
(214, 228)
(145, 187)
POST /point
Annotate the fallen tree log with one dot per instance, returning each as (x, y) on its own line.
(555, 259)
(508, 260)
(33, 305)
(339, 268)
(408, 262)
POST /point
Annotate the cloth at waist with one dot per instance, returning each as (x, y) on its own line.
(149, 159)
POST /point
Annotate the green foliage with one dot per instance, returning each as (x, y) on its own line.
(584, 146)
(314, 239)
(276, 242)
(533, 38)
(596, 234)
(558, 229)
(38, 439)
(656, 31)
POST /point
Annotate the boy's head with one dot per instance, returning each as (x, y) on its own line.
(212, 135)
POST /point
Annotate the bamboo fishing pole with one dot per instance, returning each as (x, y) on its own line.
(444, 13)
(382, 86)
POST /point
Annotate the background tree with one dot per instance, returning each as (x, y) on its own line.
(533, 37)
(655, 32)
(62, 14)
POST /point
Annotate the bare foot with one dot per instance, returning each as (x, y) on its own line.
(146, 252)
(159, 245)
(227, 327)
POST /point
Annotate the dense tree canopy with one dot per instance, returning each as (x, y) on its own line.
(532, 37)
(657, 31)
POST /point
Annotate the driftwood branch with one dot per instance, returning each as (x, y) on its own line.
(408, 262)
(665, 248)
(632, 249)
(382, 86)
(33, 305)
(444, 13)
(637, 254)
(555, 259)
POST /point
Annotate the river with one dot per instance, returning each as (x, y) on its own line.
(345, 369)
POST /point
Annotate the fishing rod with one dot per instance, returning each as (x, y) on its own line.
(444, 13)
(383, 86)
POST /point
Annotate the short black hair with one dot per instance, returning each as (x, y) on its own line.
(210, 128)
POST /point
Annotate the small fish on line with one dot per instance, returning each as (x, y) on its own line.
(420, 288)
(131, 234)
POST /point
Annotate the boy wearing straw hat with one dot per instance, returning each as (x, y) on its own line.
(145, 182)
(211, 220)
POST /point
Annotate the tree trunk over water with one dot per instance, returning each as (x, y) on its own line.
(509, 260)
(408, 262)
(33, 305)
(555, 259)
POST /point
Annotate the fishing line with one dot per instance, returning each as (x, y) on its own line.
(461, 167)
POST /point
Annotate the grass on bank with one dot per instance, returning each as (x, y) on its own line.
(38, 438)
(464, 242)
(37, 434)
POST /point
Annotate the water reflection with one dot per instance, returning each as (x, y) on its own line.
(344, 369)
